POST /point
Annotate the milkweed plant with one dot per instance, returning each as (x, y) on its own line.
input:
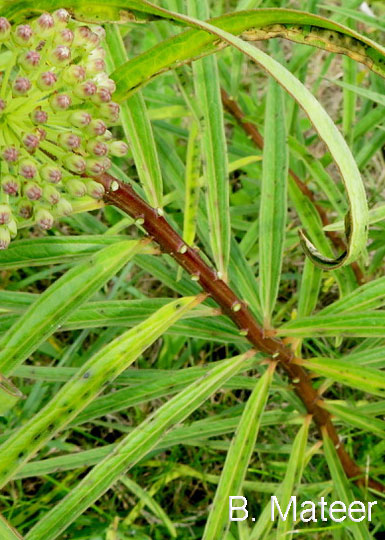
(192, 331)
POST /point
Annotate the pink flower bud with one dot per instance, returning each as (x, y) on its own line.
(75, 163)
(118, 148)
(10, 184)
(45, 24)
(64, 37)
(2, 105)
(100, 32)
(95, 66)
(95, 189)
(51, 194)
(31, 142)
(69, 141)
(46, 80)
(64, 207)
(60, 102)
(51, 174)
(85, 90)
(82, 36)
(95, 167)
(60, 56)
(44, 219)
(74, 74)
(98, 52)
(80, 119)
(29, 60)
(23, 34)
(5, 29)
(5, 238)
(33, 191)
(102, 79)
(25, 209)
(96, 127)
(10, 154)
(110, 111)
(21, 86)
(97, 148)
(61, 16)
(38, 116)
(75, 187)
(27, 168)
(103, 95)
(41, 133)
(107, 136)
(5, 214)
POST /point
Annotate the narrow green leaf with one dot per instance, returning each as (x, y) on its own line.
(7, 532)
(51, 309)
(310, 287)
(368, 380)
(214, 151)
(131, 449)
(192, 177)
(238, 457)
(369, 296)
(342, 488)
(353, 417)
(293, 475)
(137, 128)
(363, 324)
(88, 382)
(273, 202)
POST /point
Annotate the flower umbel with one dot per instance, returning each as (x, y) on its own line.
(55, 107)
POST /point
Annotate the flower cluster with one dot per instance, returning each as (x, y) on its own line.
(55, 107)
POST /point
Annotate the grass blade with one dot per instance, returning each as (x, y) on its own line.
(238, 457)
(273, 205)
(88, 382)
(61, 299)
(131, 449)
(214, 151)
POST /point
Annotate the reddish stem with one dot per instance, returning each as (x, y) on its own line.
(124, 197)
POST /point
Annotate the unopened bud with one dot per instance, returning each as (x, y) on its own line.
(64, 37)
(95, 189)
(5, 214)
(69, 141)
(61, 16)
(46, 80)
(95, 167)
(96, 127)
(64, 207)
(75, 187)
(94, 66)
(110, 111)
(3, 105)
(27, 168)
(10, 154)
(51, 194)
(51, 174)
(97, 148)
(38, 116)
(60, 102)
(5, 238)
(31, 142)
(29, 60)
(85, 90)
(82, 36)
(45, 25)
(21, 86)
(103, 95)
(80, 119)
(60, 56)
(33, 191)
(118, 148)
(10, 185)
(75, 163)
(12, 228)
(44, 219)
(5, 29)
(23, 34)
(25, 209)
(74, 74)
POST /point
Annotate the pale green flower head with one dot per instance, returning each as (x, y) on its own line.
(56, 104)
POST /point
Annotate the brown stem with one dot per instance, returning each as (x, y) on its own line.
(125, 198)
(250, 129)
